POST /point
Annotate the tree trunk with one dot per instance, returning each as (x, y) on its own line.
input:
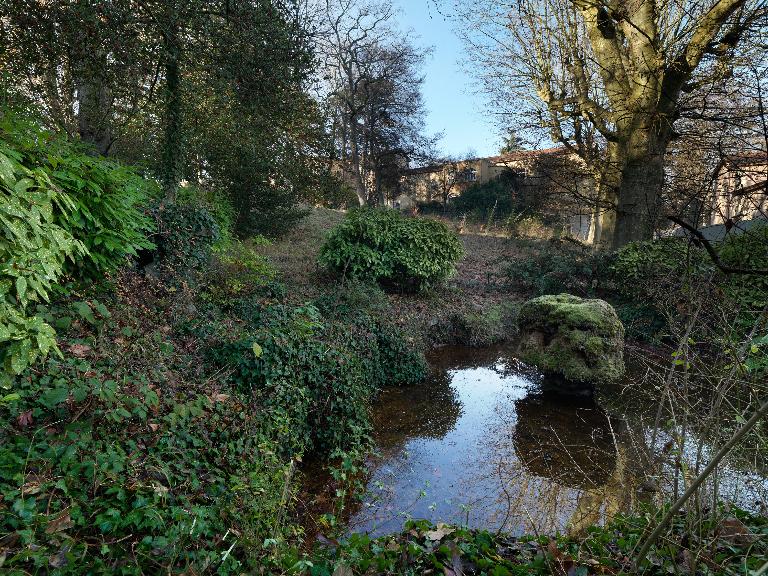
(642, 180)
(173, 143)
(362, 195)
(94, 110)
(632, 182)
(381, 199)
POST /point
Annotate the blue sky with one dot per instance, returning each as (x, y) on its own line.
(452, 106)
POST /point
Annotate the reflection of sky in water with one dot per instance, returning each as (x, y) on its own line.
(479, 444)
(464, 474)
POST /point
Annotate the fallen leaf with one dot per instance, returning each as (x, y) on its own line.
(734, 531)
(154, 427)
(457, 566)
(63, 522)
(343, 570)
(159, 489)
(219, 397)
(59, 559)
(392, 546)
(441, 532)
(30, 487)
(25, 419)
(79, 350)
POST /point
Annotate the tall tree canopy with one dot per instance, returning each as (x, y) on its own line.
(209, 91)
(372, 86)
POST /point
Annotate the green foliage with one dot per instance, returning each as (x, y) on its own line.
(486, 327)
(185, 238)
(238, 271)
(423, 548)
(748, 250)
(560, 266)
(353, 298)
(317, 375)
(134, 473)
(62, 213)
(494, 198)
(642, 322)
(395, 250)
(104, 198)
(218, 206)
(33, 252)
(653, 269)
(331, 192)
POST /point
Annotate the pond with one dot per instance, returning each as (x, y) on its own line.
(482, 444)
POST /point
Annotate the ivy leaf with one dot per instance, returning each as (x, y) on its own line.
(51, 398)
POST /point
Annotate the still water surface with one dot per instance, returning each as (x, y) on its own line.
(481, 444)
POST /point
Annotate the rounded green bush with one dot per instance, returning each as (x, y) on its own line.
(398, 251)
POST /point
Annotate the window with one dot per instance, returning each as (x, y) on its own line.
(468, 175)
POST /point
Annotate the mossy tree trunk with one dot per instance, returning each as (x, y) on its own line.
(173, 135)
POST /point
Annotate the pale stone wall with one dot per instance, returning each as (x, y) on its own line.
(739, 191)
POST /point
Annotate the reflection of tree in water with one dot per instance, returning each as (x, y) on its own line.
(564, 463)
(430, 409)
(568, 441)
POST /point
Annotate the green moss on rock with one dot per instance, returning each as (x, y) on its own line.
(581, 340)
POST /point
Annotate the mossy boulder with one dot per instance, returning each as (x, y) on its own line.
(580, 340)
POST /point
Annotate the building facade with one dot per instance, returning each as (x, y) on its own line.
(555, 177)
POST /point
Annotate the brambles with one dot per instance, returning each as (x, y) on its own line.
(397, 251)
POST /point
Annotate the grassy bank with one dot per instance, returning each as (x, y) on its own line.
(473, 307)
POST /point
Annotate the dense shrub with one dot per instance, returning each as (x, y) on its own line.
(237, 271)
(534, 226)
(423, 548)
(627, 279)
(62, 213)
(216, 204)
(330, 191)
(105, 200)
(654, 269)
(184, 240)
(317, 374)
(560, 266)
(33, 252)
(648, 282)
(748, 250)
(395, 250)
(136, 472)
(485, 327)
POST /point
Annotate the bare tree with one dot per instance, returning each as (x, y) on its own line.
(607, 79)
(372, 87)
